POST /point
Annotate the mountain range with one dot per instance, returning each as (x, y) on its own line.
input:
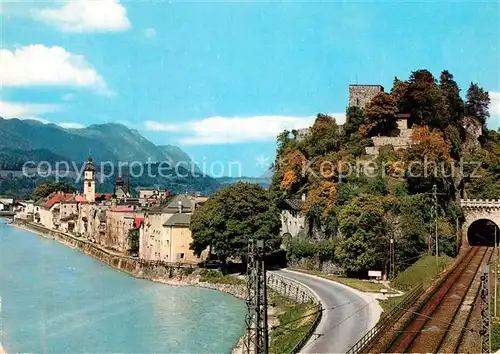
(105, 142)
(30, 140)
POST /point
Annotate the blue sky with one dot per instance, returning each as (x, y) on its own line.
(220, 79)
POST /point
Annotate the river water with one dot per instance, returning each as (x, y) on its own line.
(57, 300)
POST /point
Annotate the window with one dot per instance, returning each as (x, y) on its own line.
(182, 255)
(89, 184)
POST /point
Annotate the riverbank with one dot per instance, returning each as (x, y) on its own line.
(80, 299)
(170, 274)
(179, 275)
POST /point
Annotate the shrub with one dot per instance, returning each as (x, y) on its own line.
(320, 251)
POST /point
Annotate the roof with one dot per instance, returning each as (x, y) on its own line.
(80, 198)
(137, 223)
(291, 204)
(179, 219)
(106, 196)
(62, 198)
(369, 85)
(403, 116)
(162, 206)
(122, 209)
(153, 188)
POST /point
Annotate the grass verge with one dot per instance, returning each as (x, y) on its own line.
(390, 303)
(423, 271)
(216, 277)
(358, 284)
(291, 323)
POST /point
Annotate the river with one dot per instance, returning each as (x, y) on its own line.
(57, 300)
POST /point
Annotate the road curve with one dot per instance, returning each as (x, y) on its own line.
(348, 314)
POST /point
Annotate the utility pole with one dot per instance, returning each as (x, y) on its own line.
(485, 330)
(495, 267)
(257, 338)
(435, 215)
(392, 259)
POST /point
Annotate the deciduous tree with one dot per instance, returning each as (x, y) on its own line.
(380, 115)
(231, 217)
(47, 187)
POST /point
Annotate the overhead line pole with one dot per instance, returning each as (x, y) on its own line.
(257, 337)
(496, 271)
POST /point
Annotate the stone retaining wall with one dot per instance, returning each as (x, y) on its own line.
(131, 265)
(290, 289)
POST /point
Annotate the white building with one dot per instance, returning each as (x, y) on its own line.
(292, 220)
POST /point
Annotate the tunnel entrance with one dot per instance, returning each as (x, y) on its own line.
(482, 233)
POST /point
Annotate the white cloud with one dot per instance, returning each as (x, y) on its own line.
(229, 130)
(494, 121)
(38, 65)
(86, 16)
(161, 127)
(494, 103)
(149, 32)
(71, 125)
(25, 110)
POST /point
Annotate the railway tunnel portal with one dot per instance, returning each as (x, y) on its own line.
(482, 221)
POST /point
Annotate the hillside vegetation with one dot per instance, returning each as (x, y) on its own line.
(361, 212)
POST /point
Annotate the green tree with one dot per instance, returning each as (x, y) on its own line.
(231, 217)
(354, 119)
(46, 187)
(324, 137)
(477, 104)
(133, 240)
(425, 101)
(398, 93)
(451, 92)
(364, 229)
(380, 115)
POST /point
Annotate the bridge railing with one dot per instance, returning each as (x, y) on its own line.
(387, 320)
(301, 294)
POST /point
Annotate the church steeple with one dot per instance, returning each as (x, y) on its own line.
(89, 180)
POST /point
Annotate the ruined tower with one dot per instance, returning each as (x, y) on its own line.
(360, 95)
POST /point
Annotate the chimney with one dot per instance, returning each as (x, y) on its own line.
(303, 197)
(179, 205)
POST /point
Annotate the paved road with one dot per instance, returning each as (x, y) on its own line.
(352, 315)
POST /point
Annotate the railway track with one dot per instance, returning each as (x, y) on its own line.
(441, 323)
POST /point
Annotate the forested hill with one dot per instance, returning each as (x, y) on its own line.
(361, 212)
(29, 140)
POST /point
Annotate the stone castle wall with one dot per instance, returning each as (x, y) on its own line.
(398, 142)
(360, 95)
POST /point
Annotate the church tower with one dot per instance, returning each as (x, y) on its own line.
(89, 181)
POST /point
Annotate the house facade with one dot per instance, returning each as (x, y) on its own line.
(293, 222)
(165, 234)
(119, 221)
